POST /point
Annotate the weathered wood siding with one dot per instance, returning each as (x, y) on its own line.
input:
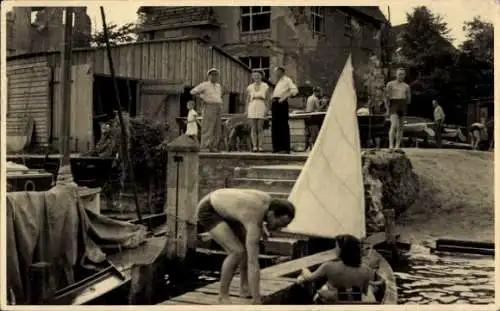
(28, 94)
(81, 108)
(183, 60)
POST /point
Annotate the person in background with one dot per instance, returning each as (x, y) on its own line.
(398, 97)
(211, 93)
(257, 107)
(347, 274)
(280, 129)
(323, 103)
(438, 121)
(192, 121)
(312, 129)
(490, 126)
(237, 219)
(479, 135)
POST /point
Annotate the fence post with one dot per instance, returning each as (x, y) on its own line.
(182, 197)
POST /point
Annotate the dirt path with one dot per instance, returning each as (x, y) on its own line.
(456, 197)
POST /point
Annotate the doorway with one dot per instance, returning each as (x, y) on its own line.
(104, 99)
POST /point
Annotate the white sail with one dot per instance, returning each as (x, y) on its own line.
(329, 193)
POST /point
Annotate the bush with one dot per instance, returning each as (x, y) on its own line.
(146, 139)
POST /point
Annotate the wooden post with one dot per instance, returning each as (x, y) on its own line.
(182, 197)
(390, 231)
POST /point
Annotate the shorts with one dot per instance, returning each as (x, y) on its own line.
(208, 218)
(398, 107)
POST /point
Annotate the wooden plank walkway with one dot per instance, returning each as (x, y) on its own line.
(272, 290)
(277, 281)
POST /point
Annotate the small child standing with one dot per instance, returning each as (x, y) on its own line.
(192, 121)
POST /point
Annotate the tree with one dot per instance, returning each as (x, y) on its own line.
(374, 83)
(430, 57)
(116, 35)
(475, 62)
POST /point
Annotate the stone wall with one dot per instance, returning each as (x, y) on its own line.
(389, 179)
(217, 168)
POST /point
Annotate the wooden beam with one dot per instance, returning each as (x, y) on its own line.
(294, 266)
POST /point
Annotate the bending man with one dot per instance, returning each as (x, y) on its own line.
(237, 219)
(398, 97)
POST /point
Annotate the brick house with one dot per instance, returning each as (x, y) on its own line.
(265, 37)
(40, 29)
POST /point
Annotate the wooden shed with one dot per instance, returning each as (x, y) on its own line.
(154, 79)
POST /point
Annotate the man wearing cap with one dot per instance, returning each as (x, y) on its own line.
(211, 93)
(280, 130)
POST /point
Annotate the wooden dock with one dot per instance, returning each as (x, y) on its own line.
(278, 281)
(272, 290)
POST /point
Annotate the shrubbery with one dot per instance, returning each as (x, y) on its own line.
(146, 143)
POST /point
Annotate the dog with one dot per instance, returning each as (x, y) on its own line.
(236, 133)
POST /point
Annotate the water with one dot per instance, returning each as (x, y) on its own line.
(429, 279)
(450, 279)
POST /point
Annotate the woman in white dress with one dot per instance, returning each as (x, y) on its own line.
(257, 108)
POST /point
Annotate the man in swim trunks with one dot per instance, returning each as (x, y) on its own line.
(237, 219)
(398, 97)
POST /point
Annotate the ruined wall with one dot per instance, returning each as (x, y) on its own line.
(41, 29)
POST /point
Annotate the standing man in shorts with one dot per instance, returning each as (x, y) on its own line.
(398, 97)
(237, 219)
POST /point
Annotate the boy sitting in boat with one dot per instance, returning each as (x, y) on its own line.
(237, 219)
(347, 278)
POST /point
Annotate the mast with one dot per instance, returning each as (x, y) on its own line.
(124, 138)
(64, 173)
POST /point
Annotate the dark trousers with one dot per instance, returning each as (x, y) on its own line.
(439, 133)
(312, 130)
(280, 130)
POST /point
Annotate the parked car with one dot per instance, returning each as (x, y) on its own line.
(425, 129)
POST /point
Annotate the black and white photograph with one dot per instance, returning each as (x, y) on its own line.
(158, 154)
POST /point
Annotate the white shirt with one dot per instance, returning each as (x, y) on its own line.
(312, 104)
(285, 87)
(438, 113)
(397, 90)
(209, 92)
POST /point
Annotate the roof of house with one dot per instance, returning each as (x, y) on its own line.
(174, 17)
(372, 11)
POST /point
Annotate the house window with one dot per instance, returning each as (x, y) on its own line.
(318, 19)
(363, 30)
(348, 25)
(255, 18)
(260, 63)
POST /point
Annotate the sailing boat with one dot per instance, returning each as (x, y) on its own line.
(329, 193)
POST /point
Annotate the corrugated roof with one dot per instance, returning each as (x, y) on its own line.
(177, 16)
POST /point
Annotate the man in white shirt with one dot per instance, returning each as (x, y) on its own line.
(211, 94)
(280, 129)
(438, 121)
(312, 128)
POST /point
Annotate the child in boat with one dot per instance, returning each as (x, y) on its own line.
(192, 121)
(347, 278)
